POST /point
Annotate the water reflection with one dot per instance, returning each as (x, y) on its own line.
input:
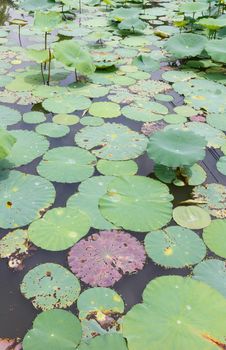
(5, 6)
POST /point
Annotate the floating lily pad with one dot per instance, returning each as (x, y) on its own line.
(105, 109)
(214, 237)
(34, 117)
(66, 119)
(175, 247)
(164, 98)
(52, 130)
(92, 121)
(212, 197)
(186, 45)
(67, 164)
(59, 228)
(215, 138)
(193, 319)
(218, 121)
(112, 141)
(213, 273)
(87, 199)
(104, 258)
(174, 75)
(221, 165)
(137, 203)
(59, 330)
(50, 286)
(117, 168)
(191, 217)
(28, 146)
(146, 63)
(23, 197)
(9, 116)
(107, 341)
(66, 103)
(14, 242)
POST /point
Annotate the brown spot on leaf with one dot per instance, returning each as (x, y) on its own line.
(215, 341)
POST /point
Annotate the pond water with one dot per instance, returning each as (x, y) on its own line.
(16, 312)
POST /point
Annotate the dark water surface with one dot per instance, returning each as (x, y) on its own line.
(16, 312)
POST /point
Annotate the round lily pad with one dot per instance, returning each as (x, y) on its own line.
(112, 141)
(218, 121)
(214, 138)
(191, 217)
(117, 168)
(164, 97)
(175, 247)
(14, 242)
(9, 116)
(105, 257)
(212, 197)
(34, 117)
(137, 203)
(106, 341)
(105, 109)
(215, 237)
(66, 119)
(59, 228)
(213, 273)
(66, 103)
(67, 164)
(221, 165)
(50, 286)
(143, 114)
(186, 45)
(187, 313)
(175, 119)
(87, 199)
(28, 146)
(54, 330)
(92, 121)
(52, 130)
(23, 197)
(174, 75)
(99, 302)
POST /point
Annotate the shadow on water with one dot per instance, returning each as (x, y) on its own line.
(17, 313)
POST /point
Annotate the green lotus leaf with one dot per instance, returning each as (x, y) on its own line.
(87, 198)
(146, 63)
(137, 203)
(59, 228)
(39, 56)
(191, 216)
(217, 121)
(23, 197)
(15, 242)
(54, 330)
(212, 23)
(185, 45)
(213, 273)
(121, 13)
(186, 313)
(72, 55)
(132, 24)
(112, 140)
(9, 116)
(176, 148)
(52, 130)
(217, 49)
(105, 109)
(117, 168)
(34, 117)
(195, 6)
(66, 103)
(28, 146)
(214, 237)
(47, 21)
(212, 197)
(175, 247)
(7, 140)
(66, 119)
(221, 165)
(32, 5)
(214, 138)
(50, 286)
(67, 164)
(107, 341)
(92, 121)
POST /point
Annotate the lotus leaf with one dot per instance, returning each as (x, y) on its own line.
(34, 117)
(67, 164)
(66, 119)
(90, 191)
(50, 286)
(7, 140)
(175, 247)
(52, 130)
(117, 168)
(112, 140)
(137, 203)
(92, 121)
(191, 217)
(39, 56)
(217, 49)
(221, 165)
(54, 330)
(14, 242)
(187, 313)
(176, 148)
(47, 21)
(217, 121)
(9, 116)
(196, 6)
(107, 341)
(59, 228)
(105, 257)
(214, 237)
(105, 109)
(146, 63)
(66, 103)
(213, 273)
(23, 197)
(32, 5)
(132, 24)
(214, 138)
(186, 45)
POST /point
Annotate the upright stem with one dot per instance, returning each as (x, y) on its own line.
(43, 78)
(19, 34)
(80, 6)
(49, 68)
(76, 75)
(45, 46)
